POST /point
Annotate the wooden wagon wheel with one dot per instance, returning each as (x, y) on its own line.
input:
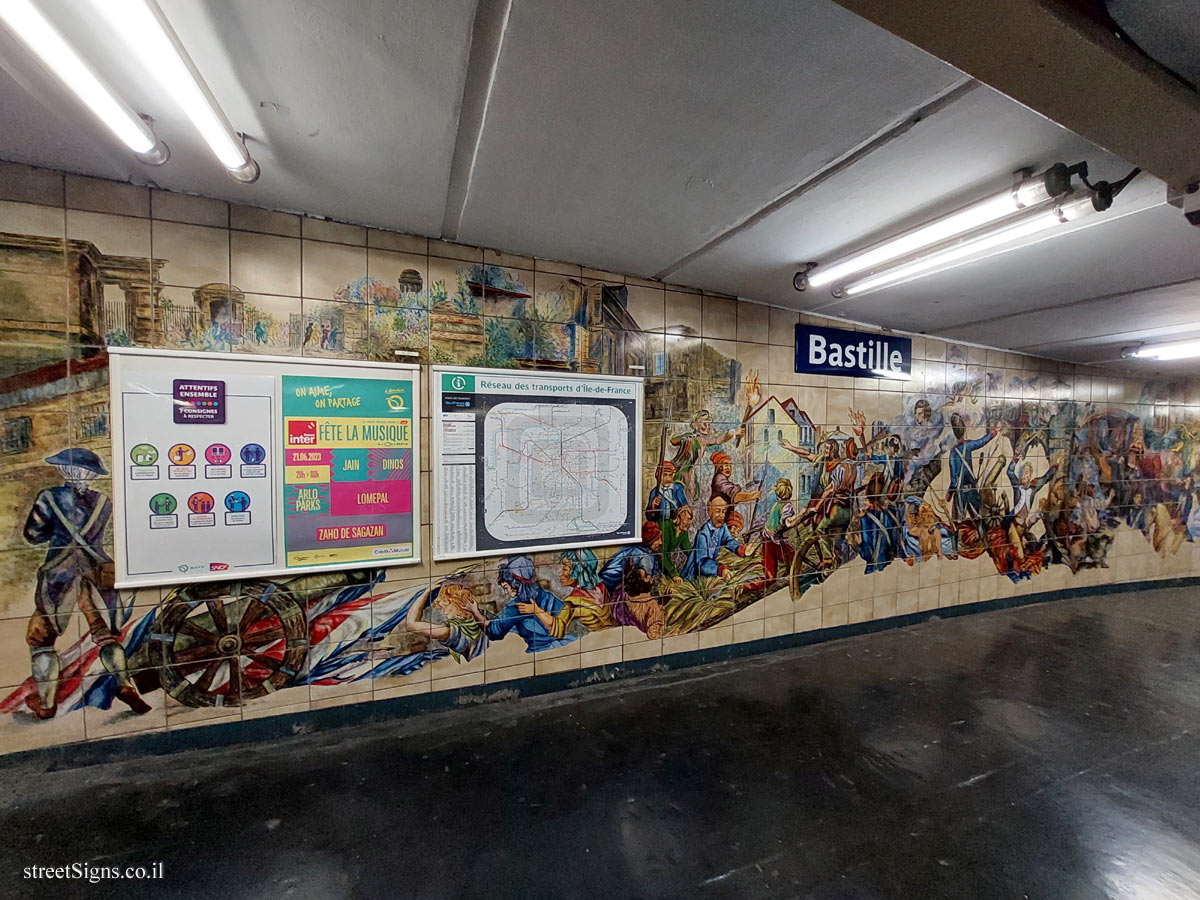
(807, 560)
(224, 644)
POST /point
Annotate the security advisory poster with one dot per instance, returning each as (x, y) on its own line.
(230, 467)
(197, 492)
(347, 469)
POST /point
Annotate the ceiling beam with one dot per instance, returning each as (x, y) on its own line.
(1050, 56)
(487, 41)
(834, 167)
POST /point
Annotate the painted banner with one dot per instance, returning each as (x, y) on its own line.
(348, 469)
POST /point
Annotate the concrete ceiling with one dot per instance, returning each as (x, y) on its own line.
(350, 108)
(708, 143)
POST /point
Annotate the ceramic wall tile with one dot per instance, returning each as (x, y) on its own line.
(333, 329)
(753, 322)
(273, 325)
(265, 263)
(557, 268)
(190, 255)
(558, 298)
(683, 314)
(264, 221)
(719, 317)
(98, 195)
(168, 206)
(382, 239)
(513, 261)
(782, 326)
(833, 616)
(591, 276)
(451, 250)
(398, 279)
(111, 279)
(35, 294)
(647, 306)
(313, 229)
(332, 271)
(114, 235)
(31, 221)
(29, 184)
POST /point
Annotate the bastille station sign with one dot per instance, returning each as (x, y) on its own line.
(839, 351)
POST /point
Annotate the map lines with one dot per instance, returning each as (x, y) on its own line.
(554, 470)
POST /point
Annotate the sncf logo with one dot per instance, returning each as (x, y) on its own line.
(303, 433)
(218, 567)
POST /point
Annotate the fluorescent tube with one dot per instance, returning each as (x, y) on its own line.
(1030, 192)
(1176, 350)
(950, 255)
(43, 39)
(149, 36)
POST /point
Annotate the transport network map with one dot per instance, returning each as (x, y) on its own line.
(554, 470)
(533, 461)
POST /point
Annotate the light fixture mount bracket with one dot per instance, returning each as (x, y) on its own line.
(247, 173)
(1019, 177)
(155, 156)
(800, 279)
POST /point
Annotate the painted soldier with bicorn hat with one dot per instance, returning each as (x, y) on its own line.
(77, 574)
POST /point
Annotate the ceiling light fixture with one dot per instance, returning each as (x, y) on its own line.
(1027, 190)
(149, 36)
(1173, 350)
(33, 29)
(976, 244)
(1034, 206)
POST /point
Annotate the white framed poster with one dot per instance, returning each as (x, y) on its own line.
(532, 461)
(237, 467)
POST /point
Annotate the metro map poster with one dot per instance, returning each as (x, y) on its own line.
(348, 469)
(529, 461)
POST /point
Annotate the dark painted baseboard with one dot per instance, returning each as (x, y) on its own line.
(66, 756)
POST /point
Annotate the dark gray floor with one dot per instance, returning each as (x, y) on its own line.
(1044, 752)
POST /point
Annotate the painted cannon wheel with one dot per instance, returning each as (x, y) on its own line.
(808, 564)
(224, 644)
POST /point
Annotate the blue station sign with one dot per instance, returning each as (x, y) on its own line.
(858, 354)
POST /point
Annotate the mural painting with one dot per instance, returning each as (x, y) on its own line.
(747, 495)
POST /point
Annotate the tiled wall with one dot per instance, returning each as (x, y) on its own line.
(85, 264)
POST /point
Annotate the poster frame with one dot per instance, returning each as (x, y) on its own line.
(275, 366)
(435, 453)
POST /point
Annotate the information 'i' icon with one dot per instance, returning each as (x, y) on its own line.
(163, 504)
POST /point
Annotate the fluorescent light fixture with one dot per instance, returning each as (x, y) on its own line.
(974, 245)
(43, 39)
(150, 38)
(1030, 191)
(1174, 350)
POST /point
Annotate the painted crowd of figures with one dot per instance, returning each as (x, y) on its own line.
(1028, 493)
(1029, 485)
